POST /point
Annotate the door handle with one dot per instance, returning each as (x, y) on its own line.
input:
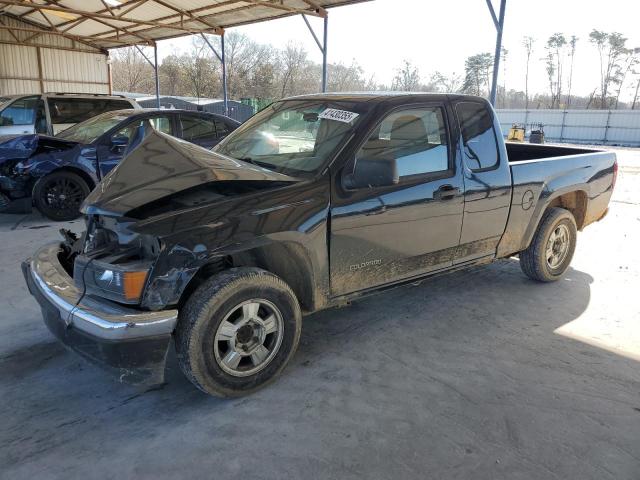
(446, 192)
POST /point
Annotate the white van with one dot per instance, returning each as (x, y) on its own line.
(50, 113)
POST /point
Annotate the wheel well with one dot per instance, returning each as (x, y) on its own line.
(203, 273)
(288, 261)
(283, 260)
(575, 202)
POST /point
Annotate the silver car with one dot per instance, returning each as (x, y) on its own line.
(51, 113)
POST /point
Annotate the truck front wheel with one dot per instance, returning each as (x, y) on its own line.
(552, 247)
(238, 331)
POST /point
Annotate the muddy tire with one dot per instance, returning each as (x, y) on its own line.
(237, 332)
(552, 247)
(59, 195)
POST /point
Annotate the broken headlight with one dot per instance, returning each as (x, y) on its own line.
(122, 283)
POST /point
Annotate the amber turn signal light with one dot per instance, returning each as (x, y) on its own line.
(133, 284)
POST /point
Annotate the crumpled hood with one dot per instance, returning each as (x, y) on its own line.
(24, 146)
(162, 165)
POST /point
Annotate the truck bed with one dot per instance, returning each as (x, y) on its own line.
(519, 152)
(579, 179)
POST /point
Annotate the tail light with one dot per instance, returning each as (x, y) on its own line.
(615, 174)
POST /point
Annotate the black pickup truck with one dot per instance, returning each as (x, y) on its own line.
(312, 202)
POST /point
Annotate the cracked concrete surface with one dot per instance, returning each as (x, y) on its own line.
(481, 374)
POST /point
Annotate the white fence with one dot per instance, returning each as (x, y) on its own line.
(606, 127)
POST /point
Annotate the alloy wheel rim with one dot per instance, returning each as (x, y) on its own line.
(63, 195)
(248, 338)
(557, 246)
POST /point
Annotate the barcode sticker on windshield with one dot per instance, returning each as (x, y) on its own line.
(338, 115)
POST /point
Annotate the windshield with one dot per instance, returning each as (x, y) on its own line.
(295, 137)
(89, 130)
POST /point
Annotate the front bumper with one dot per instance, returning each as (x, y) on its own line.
(131, 343)
(13, 196)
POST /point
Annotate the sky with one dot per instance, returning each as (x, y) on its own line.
(440, 34)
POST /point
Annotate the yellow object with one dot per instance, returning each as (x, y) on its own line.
(133, 284)
(516, 133)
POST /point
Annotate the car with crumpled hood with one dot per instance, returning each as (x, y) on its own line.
(57, 173)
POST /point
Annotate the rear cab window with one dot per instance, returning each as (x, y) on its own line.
(416, 138)
(479, 139)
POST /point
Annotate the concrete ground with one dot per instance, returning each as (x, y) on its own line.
(476, 375)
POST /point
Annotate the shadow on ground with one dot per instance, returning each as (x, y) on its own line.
(461, 376)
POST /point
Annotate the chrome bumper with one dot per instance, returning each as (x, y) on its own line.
(130, 343)
(99, 318)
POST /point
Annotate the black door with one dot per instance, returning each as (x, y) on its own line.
(487, 182)
(397, 207)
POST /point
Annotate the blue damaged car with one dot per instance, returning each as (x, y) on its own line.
(57, 173)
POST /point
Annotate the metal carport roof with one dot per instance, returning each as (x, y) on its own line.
(115, 23)
(108, 24)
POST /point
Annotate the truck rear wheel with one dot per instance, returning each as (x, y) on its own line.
(552, 247)
(238, 331)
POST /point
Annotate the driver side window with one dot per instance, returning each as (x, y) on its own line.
(407, 142)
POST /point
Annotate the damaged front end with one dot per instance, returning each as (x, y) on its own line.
(112, 294)
(131, 343)
(20, 156)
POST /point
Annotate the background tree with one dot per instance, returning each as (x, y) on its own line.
(527, 43)
(611, 49)
(554, 66)
(572, 53)
(172, 78)
(503, 60)
(201, 71)
(262, 71)
(130, 71)
(294, 66)
(636, 74)
(407, 78)
(451, 83)
(477, 70)
(344, 78)
(628, 64)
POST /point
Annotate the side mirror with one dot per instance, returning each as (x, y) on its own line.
(369, 173)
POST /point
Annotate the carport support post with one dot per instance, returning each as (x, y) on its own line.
(155, 68)
(224, 77)
(324, 54)
(154, 65)
(499, 23)
(322, 46)
(224, 68)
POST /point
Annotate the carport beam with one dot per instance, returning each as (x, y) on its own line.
(224, 69)
(155, 69)
(154, 65)
(224, 77)
(322, 46)
(499, 23)
(324, 54)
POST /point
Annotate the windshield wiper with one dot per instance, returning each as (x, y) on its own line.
(246, 159)
(252, 161)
